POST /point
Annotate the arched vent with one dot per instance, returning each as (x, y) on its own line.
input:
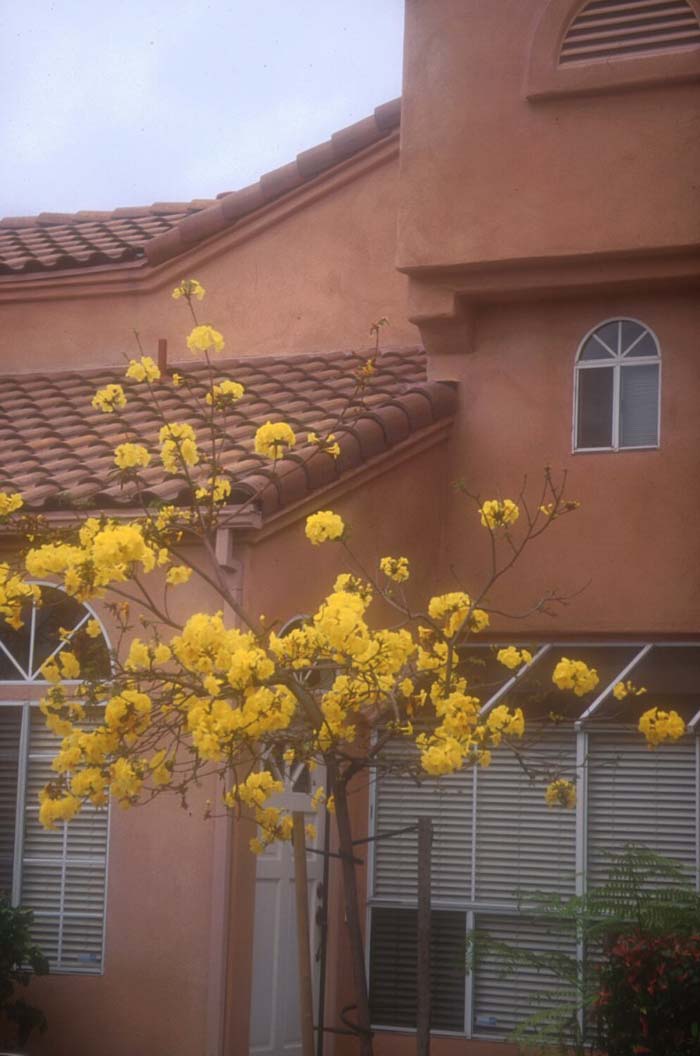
(608, 29)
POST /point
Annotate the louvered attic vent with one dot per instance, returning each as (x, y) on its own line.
(607, 29)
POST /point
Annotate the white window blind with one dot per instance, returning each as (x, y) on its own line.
(501, 1001)
(522, 845)
(640, 796)
(63, 871)
(60, 875)
(399, 802)
(639, 405)
(498, 846)
(10, 727)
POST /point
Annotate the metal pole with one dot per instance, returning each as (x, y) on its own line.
(301, 892)
(425, 840)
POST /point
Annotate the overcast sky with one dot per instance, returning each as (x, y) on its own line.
(125, 102)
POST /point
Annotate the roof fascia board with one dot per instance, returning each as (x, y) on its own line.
(140, 278)
(422, 440)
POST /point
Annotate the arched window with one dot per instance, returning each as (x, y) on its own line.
(60, 875)
(616, 390)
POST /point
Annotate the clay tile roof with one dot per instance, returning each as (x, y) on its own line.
(58, 451)
(56, 242)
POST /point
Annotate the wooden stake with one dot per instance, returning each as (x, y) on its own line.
(352, 913)
(425, 840)
(301, 893)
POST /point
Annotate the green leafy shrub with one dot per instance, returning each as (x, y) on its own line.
(20, 958)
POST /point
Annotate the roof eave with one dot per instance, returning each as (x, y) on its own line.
(158, 269)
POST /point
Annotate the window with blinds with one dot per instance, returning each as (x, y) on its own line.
(617, 388)
(498, 847)
(60, 874)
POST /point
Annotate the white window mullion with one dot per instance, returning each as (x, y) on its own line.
(19, 811)
(62, 895)
(616, 407)
(32, 638)
(581, 848)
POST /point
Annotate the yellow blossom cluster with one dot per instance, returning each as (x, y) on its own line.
(217, 490)
(659, 726)
(560, 793)
(188, 288)
(205, 339)
(324, 526)
(177, 575)
(14, 592)
(131, 456)
(513, 658)
(575, 675)
(395, 568)
(255, 790)
(499, 513)
(627, 689)
(143, 369)
(106, 552)
(462, 736)
(224, 394)
(61, 808)
(454, 612)
(274, 439)
(178, 446)
(142, 655)
(109, 399)
(10, 502)
(328, 444)
(64, 665)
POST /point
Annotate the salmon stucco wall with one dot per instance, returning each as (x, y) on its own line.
(489, 175)
(315, 279)
(628, 550)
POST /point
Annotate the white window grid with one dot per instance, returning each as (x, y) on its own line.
(472, 906)
(616, 362)
(30, 682)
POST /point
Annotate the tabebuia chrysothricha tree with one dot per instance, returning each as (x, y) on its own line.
(215, 696)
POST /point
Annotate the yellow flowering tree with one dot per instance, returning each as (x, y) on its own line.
(213, 698)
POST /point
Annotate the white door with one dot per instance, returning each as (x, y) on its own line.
(274, 1026)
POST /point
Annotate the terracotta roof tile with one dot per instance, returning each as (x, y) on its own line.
(58, 451)
(55, 242)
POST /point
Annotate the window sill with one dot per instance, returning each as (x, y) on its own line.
(613, 450)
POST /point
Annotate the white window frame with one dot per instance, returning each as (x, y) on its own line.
(27, 703)
(473, 907)
(615, 362)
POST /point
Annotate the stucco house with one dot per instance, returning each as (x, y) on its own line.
(527, 218)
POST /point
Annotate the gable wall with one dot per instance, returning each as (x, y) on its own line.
(315, 279)
(488, 175)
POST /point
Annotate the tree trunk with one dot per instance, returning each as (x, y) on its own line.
(352, 913)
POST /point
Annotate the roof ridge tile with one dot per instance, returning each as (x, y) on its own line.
(186, 223)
